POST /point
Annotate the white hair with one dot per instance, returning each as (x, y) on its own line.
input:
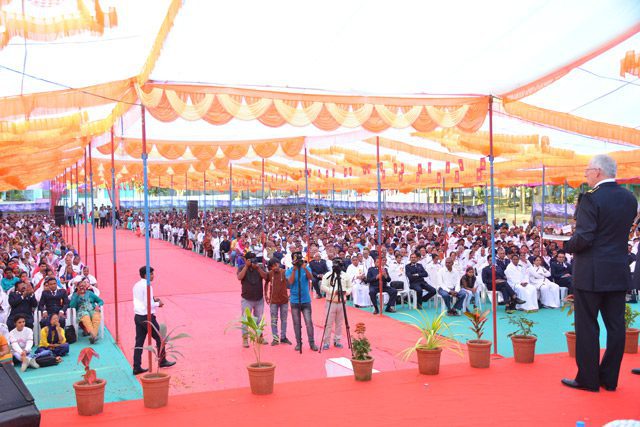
(605, 163)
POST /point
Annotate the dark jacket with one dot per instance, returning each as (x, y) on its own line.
(486, 275)
(54, 302)
(22, 305)
(318, 269)
(415, 273)
(371, 277)
(604, 218)
(558, 270)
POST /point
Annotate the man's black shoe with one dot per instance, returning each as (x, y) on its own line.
(376, 312)
(608, 388)
(390, 310)
(519, 301)
(138, 371)
(166, 364)
(574, 384)
(313, 347)
(419, 307)
(285, 341)
(635, 371)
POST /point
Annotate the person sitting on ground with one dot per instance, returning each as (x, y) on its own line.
(449, 288)
(5, 351)
(53, 301)
(21, 341)
(88, 306)
(52, 338)
(22, 302)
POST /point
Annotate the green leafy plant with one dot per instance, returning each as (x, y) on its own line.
(630, 316)
(361, 346)
(524, 326)
(254, 330)
(568, 304)
(478, 321)
(85, 356)
(432, 334)
(168, 348)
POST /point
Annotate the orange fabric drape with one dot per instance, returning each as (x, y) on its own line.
(48, 29)
(605, 131)
(630, 64)
(536, 85)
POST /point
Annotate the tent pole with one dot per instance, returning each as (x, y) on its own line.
(204, 196)
(428, 206)
(172, 191)
(113, 233)
(444, 204)
(380, 254)
(186, 198)
(93, 222)
(146, 230)
(564, 194)
(77, 205)
(494, 299)
(230, 197)
(264, 225)
(543, 202)
(87, 212)
(306, 195)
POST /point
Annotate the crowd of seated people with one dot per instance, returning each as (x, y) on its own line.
(43, 277)
(454, 261)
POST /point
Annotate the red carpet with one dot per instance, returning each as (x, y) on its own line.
(505, 394)
(203, 296)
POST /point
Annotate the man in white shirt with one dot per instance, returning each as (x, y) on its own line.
(518, 279)
(140, 290)
(449, 287)
(360, 289)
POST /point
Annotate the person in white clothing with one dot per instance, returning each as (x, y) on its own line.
(140, 290)
(518, 279)
(21, 342)
(360, 290)
(549, 291)
(367, 260)
(449, 288)
(397, 273)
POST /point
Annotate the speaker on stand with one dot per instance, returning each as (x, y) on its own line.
(58, 215)
(192, 210)
(17, 406)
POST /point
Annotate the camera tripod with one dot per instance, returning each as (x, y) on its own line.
(336, 281)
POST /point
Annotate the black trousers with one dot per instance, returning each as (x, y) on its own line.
(422, 286)
(507, 291)
(141, 336)
(591, 371)
(374, 292)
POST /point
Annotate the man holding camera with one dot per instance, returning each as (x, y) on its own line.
(337, 287)
(298, 279)
(251, 278)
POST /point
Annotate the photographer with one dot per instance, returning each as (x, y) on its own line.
(298, 279)
(333, 283)
(251, 278)
(275, 294)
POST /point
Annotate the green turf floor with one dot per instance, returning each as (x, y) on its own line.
(551, 324)
(52, 387)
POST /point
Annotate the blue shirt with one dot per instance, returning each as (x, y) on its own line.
(300, 287)
(8, 284)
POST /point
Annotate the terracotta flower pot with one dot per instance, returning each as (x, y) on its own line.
(362, 369)
(524, 348)
(261, 377)
(155, 389)
(429, 361)
(479, 353)
(571, 343)
(90, 398)
(631, 340)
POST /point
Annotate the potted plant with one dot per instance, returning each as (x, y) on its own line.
(523, 339)
(431, 342)
(155, 385)
(89, 391)
(479, 349)
(571, 335)
(261, 374)
(361, 361)
(631, 338)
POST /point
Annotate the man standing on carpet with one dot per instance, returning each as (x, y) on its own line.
(251, 278)
(298, 278)
(275, 294)
(140, 290)
(601, 274)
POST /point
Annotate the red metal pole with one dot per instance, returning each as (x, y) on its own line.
(95, 261)
(66, 227)
(146, 230)
(86, 213)
(113, 224)
(494, 300)
(77, 200)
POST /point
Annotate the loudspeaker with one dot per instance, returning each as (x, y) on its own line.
(58, 215)
(17, 407)
(192, 209)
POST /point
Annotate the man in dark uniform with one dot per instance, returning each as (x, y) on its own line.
(561, 272)
(508, 294)
(416, 274)
(601, 274)
(373, 279)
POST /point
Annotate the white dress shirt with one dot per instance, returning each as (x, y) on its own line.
(140, 298)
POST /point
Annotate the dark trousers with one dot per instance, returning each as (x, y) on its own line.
(422, 286)
(141, 336)
(565, 282)
(591, 371)
(507, 292)
(297, 312)
(374, 292)
(316, 286)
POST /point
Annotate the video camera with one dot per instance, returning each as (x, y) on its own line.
(251, 258)
(297, 259)
(338, 264)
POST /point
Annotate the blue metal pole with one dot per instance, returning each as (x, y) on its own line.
(543, 202)
(230, 195)
(204, 196)
(264, 226)
(93, 222)
(147, 243)
(380, 254)
(306, 194)
(494, 299)
(113, 234)
(564, 192)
